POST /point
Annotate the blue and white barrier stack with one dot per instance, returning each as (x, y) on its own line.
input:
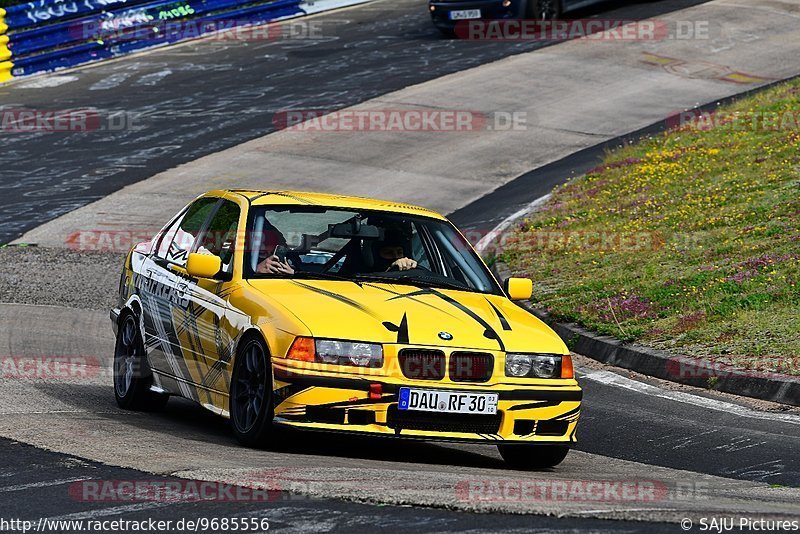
(46, 35)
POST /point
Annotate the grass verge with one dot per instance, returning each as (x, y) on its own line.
(688, 241)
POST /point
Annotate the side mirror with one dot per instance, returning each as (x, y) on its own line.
(203, 265)
(519, 288)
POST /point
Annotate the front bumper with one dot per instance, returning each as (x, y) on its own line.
(490, 9)
(322, 401)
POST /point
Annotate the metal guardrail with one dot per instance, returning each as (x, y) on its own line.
(46, 35)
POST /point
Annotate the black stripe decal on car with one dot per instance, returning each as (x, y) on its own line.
(503, 320)
(336, 296)
(401, 329)
(541, 404)
(488, 331)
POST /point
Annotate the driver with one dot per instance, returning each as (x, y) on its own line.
(271, 239)
(391, 252)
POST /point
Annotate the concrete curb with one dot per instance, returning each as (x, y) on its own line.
(667, 366)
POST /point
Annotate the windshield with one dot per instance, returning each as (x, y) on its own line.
(362, 246)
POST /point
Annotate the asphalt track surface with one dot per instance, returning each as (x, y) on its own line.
(34, 489)
(631, 425)
(191, 100)
(616, 422)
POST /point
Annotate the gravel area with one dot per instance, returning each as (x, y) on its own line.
(59, 277)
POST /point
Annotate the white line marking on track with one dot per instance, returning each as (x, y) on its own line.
(152, 78)
(508, 221)
(44, 82)
(613, 379)
(613, 510)
(45, 484)
(110, 82)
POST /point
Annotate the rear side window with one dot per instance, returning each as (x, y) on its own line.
(178, 240)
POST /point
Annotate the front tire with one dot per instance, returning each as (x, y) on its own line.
(544, 9)
(531, 457)
(250, 405)
(132, 374)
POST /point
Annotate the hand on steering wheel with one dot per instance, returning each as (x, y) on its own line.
(403, 264)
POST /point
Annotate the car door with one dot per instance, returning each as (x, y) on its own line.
(208, 334)
(167, 304)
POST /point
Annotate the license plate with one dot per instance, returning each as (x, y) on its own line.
(431, 400)
(465, 14)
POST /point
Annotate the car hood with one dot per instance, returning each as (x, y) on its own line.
(399, 313)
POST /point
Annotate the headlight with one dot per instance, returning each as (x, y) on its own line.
(533, 365)
(349, 353)
(518, 364)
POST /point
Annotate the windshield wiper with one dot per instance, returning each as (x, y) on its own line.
(413, 280)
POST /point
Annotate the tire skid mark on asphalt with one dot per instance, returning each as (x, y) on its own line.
(739, 444)
(764, 469)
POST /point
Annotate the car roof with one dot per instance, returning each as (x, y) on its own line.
(301, 198)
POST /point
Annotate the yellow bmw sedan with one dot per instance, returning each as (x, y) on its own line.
(345, 314)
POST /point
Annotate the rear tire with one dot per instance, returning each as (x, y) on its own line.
(250, 405)
(530, 457)
(132, 374)
(544, 9)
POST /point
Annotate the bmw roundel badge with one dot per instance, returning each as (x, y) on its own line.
(447, 336)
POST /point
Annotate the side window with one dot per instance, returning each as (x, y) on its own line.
(220, 237)
(184, 234)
